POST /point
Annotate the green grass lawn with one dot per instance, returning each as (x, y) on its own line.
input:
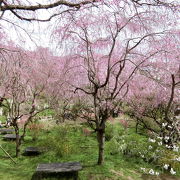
(68, 143)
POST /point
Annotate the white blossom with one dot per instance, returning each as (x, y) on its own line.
(166, 166)
(166, 137)
(152, 140)
(172, 171)
(164, 124)
(160, 143)
(175, 148)
(143, 169)
(157, 173)
(178, 159)
(168, 146)
(151, 171)
(150, 147)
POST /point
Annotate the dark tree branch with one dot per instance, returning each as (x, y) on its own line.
(7, 6)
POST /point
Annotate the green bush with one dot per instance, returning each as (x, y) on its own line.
(112, 147)
(140, 147)
(110, 132)
(47, 112)
(170, 158)
(3, 119)
(113, 130)
(132, 144)
(35, 128)
(58, 141)
(77, 108)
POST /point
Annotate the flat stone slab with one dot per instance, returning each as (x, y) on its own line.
(59, 167)
(6, 131)
(67, 170)
(9, 137)
(32, 151)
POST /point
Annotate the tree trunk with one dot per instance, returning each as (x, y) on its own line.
(18, 141)
(101, 141)
(17, 145)
(137, 123)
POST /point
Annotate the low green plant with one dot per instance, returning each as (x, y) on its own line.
(3, 119)
(113, 130)
(76, 109)
(47, 112)
(110, 132)
(169, 159)
(58, 141)
(149, 150)
(35, 128)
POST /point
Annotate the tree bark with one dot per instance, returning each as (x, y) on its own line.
(101, 141)
(17, 145)
(18, 141)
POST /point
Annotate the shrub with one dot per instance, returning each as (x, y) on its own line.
(47, 112)
(149, 150)
(35, 128)
(3, 119)
(58, 141)
(76, 109)
(170, 158)
(113, 146)
(133, 145)
(110, 132)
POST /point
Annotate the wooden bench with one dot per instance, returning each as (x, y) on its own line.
(10, 137)
(6, 131)
(67, 170)
(32, 151)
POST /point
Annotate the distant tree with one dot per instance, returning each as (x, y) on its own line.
(25, 79)
(106, 51)
(154, 93)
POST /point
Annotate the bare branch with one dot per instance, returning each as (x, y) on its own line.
(16, 7)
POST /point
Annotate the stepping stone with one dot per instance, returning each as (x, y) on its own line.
(32, 151)
(58, 170)
(6, 131)
(10, 137)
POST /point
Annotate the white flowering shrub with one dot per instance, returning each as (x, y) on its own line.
(165, 156)
(170, 161)
(149, 171)
(152, 150)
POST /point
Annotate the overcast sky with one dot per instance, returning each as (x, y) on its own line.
(31, 34)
